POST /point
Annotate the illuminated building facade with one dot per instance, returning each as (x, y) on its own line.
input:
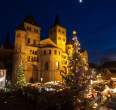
(43, 60)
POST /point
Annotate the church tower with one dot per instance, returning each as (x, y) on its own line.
(27, 39)
(27, 33)
(58, 34)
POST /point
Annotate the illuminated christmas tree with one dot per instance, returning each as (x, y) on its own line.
(78, 68)
(20, 78)
(78, 77)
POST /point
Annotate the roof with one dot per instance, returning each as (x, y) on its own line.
(21, 27)
(47, 43)
(57, 22)
(28, 19)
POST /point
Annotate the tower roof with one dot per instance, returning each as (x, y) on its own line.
(21, 27)
(57, 21)
(30, 19)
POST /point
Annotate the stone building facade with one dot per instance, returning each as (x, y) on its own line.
(42, 59)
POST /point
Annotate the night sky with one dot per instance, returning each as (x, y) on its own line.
(95, 21)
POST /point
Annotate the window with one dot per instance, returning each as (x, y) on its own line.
(29, 58)
(65, 62)
(35, 59)
(44, 52)
(35, 52)
(30, 51)
(32, 59)
(49, 51)
(59, 30)
(28, 40)
(34, 42)
(36, 30)
(57, 65)
(63, 39)
(28, 28)
(46, 66)
(59, 52)
(62, 32)
(55, 52)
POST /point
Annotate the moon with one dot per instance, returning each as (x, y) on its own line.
(80, 1)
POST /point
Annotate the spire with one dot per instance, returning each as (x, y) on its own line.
(57, 20)
(7, 41)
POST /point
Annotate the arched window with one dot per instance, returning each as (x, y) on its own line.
(49, 51)
(57, 65)
(28, 40)
(44, 52)
(46, 66)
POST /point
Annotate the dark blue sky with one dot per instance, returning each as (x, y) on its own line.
(95, 20)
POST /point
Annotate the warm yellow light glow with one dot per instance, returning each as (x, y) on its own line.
(74, 32)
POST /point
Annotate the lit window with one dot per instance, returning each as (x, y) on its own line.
(57, 65)
(49, 51)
